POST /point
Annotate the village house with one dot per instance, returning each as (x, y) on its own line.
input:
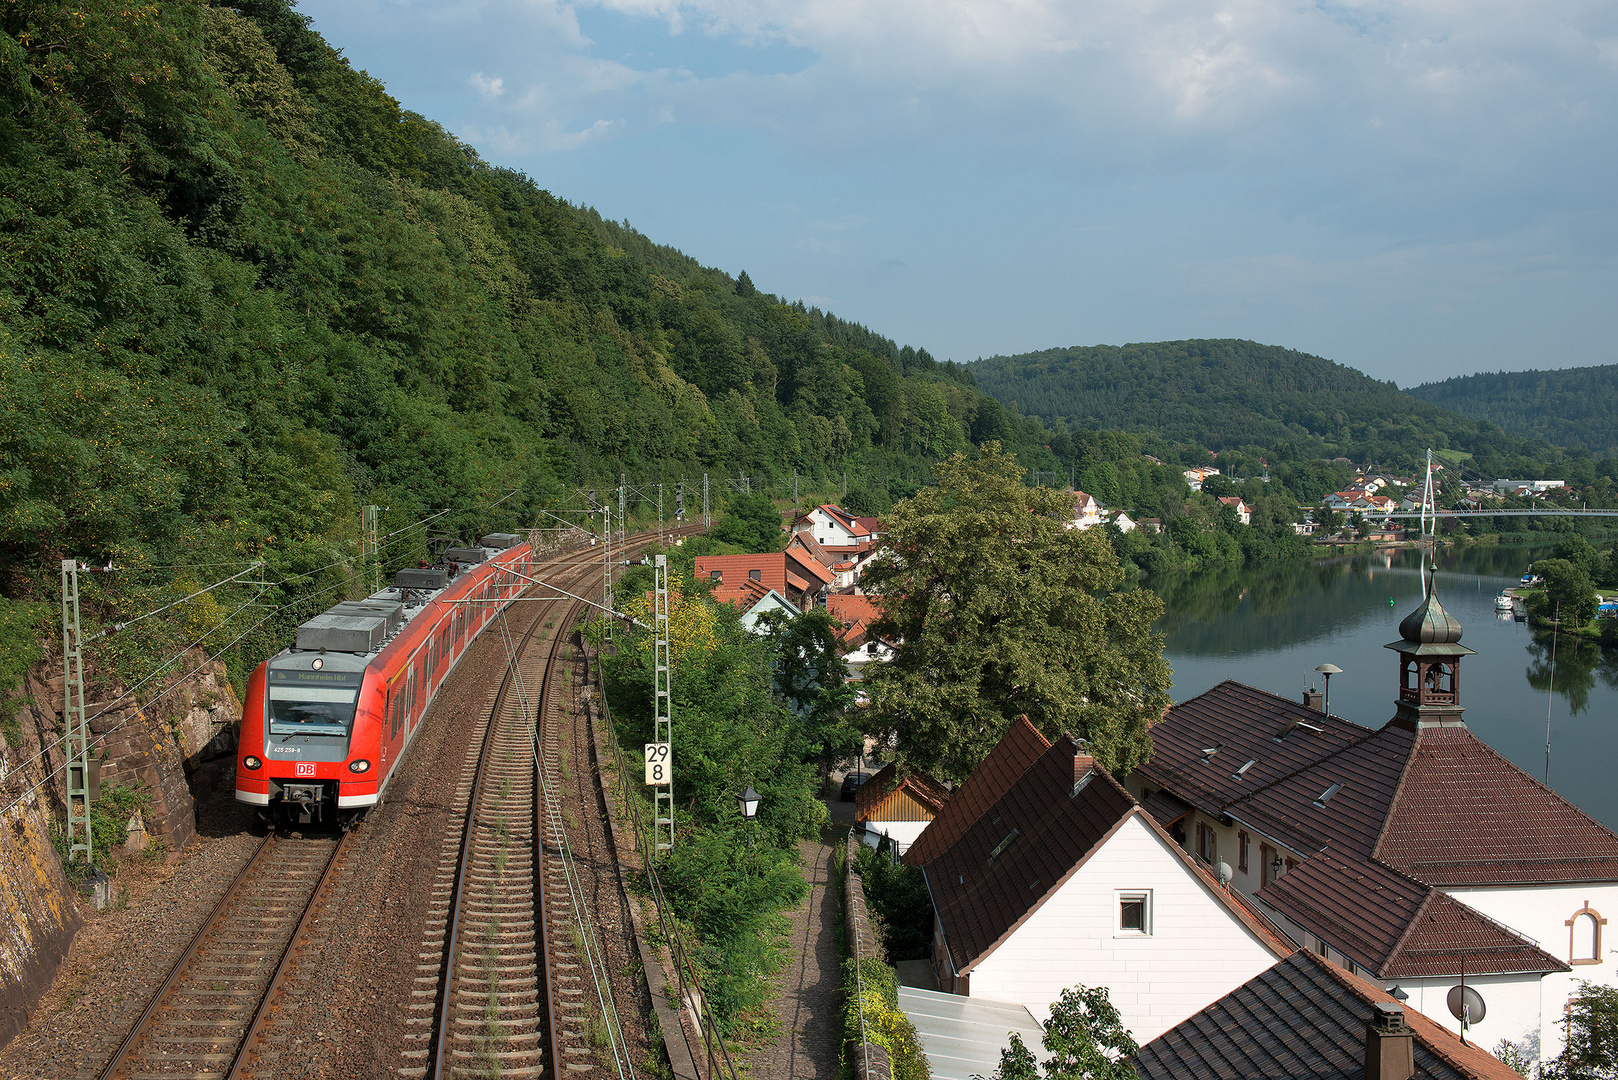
(837, 530)
(744, 579)
(1125, 523)
(1407, 854)
(855, 612)
(1195, 476)
(1044, 872)
(897, 805)
(1244, 514)
(1307, 1017)
(1087, 512)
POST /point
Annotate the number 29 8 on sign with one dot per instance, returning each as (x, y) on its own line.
(659, 764)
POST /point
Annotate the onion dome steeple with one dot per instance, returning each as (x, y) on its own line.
(1430, 652)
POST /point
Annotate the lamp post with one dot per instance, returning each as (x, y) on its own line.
(1328, 670)
(1276, 866)
(749, 800)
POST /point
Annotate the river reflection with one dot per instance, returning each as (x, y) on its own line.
(1271, 626)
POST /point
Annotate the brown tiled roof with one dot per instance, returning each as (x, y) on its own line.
(1241, 723)
(812, 547)
(924, 789)
(1396, 927)
(1165, 808)
(1303, 1017)
(1464, 815)
(1019, 747)
(1019, 850)
(856, 612)
(1294, 811)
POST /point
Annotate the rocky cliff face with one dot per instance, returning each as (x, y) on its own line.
(186, 738)
(38, 913)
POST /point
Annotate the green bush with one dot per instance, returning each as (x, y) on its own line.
(897, 895)
(872, 988)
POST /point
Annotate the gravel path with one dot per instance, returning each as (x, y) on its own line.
(808, 992)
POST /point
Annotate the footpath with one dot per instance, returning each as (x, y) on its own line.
(808, 989)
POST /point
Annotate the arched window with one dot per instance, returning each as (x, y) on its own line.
(1584, 935)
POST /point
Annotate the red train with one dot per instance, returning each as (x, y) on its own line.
(326, 722)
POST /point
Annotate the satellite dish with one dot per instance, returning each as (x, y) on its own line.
(1225, 872)
(1466, 1005)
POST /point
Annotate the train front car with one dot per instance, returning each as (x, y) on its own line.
(325, 722)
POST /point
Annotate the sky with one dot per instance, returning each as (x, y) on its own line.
(1417, 189)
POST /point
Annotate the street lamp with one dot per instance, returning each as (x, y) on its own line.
(1328, 670)
(749, 800)
(1275, 868)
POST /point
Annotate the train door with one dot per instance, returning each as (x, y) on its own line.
(410, 697)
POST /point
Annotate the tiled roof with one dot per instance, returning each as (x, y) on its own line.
(856, 612)
(1165, 808)
(1396, 927)
(924, 789)
(1023, 847)
(1464, 815)
(1303, 1017)
(1019, 747)
(1297, 810)
(1241, 724)
(812, 547)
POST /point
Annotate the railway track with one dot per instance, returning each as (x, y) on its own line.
(218, 994)
(508, 976)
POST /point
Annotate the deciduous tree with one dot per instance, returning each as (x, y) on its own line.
(999, 611)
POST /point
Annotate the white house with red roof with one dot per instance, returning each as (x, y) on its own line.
(1087, 512)
(833, 527)
(1244, 513)
(1044, 872)
(1410, 854)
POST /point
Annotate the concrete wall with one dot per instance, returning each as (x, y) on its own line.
(1197, 950)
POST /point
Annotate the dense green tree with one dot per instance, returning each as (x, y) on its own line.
(999, 611)
(752, 523)
(1592, 1037)
(1568, 597)
(811, 679)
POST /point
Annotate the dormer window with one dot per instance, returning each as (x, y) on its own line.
(716, 576)
(753, 575)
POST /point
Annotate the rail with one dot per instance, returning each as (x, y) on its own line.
(187, 970)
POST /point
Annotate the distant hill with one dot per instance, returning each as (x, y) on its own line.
(1575, 407)
(1227, 394)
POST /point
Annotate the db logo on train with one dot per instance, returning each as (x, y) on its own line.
(305, 768)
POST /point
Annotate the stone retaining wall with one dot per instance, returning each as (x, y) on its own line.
(870, 1060)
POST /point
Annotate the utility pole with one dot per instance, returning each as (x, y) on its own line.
(707, 518)
(623, 509)
(794, 492)
(845, 483)
(606, 571)
(370, 553)
(76, 737)
(663, 706)
(660, 513)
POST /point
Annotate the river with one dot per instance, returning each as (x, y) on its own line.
(1271, 626)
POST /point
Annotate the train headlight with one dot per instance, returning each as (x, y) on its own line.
(359, 766)
(251, 762)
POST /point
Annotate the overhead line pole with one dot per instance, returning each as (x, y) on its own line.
(663, 706)
(76, 736)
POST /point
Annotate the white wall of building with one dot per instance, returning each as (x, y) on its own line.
(901, 833)
(1197, 950)
(1541, 913)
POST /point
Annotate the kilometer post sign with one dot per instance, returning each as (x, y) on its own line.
(659, 764)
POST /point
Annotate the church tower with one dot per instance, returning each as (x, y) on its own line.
(1430, 652)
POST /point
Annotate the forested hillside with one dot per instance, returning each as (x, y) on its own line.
(242, 292)
(1575, 407)
(1228, 395)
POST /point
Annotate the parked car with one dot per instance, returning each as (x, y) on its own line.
(851, 784)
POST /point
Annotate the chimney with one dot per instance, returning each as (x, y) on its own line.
(1314, 699)
(1083, 760)
(1390, 1052)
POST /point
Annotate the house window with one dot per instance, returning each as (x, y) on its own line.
(1584, 935)
(1134, 913)
(1241, 852)
(1207, 844)
(716, 575)
(753, 575)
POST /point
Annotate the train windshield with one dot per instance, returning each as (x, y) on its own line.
(303, 703)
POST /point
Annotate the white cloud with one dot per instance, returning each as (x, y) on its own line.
(487, 87)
